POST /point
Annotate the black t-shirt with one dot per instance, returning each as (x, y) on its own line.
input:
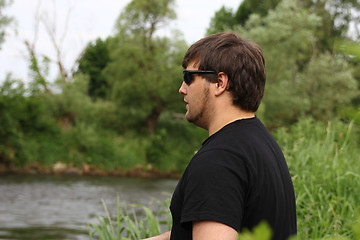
(239, 177)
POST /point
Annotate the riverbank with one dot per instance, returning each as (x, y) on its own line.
(61, 168)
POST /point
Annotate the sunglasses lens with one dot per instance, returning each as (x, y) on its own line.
(187, 77)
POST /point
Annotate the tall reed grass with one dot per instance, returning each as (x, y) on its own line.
(129, 225)
(324, 163)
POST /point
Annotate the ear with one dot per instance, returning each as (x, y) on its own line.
(222, 84)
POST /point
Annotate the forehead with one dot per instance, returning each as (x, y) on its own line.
(193, 65)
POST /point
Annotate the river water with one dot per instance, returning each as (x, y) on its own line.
(62, 207)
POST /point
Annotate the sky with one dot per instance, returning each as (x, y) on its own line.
(86, 20)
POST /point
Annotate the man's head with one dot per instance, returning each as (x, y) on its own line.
(242, 61)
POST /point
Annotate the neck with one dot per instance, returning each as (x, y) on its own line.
(226, 116)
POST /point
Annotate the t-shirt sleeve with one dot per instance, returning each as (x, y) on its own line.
(216, 186)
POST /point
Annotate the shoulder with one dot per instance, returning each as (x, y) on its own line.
(238, 135)
(217, 163)
(214, 157)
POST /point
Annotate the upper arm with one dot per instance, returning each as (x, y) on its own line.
(211, 230)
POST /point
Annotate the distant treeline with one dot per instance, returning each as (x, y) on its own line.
(120, 108)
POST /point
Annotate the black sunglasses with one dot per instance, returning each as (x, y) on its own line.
(187, 74)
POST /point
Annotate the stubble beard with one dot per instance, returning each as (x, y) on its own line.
(200, 118)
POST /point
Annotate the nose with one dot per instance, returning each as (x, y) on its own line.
(182, 89)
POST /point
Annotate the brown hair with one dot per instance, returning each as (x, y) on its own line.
(240, 59)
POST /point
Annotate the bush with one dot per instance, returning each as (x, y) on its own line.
(174, 144)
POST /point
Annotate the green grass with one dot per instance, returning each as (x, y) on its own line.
(324, 163)
(127, 225)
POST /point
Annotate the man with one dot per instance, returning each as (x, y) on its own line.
(239, 177)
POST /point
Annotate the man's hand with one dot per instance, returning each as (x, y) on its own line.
(164, 236)
(211, 230)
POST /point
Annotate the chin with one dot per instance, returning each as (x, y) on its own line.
(189, 119)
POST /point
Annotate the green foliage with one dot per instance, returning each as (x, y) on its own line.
(260, 232)
(323, 163)
(128, 226)
(26, 124)
(223, 20)
(349, 48)
(4, 20)
(350, 113)
(88, 144)
(174, 144)
(336, 17)
(302, 77)
(148, 80)
(92, 62)
(328, 84)
(73, 103)
(123, 110)
(42, 148)
(249, 7)
(71, 128)
(11, 98)
(356, 230)
(141, 18)
(145, 70)
(286, 44)
(286, 37)
(39, 72)
(299, 82)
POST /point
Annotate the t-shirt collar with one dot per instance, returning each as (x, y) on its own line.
(225, 127)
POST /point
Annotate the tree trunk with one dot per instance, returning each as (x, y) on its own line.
(153, 118)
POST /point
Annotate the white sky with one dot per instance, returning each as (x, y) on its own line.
(89, 19)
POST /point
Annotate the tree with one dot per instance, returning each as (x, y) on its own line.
(248, 7)
(224, 19)
(39, 65)
(336, 18)
(145, 69)
(328, 83)
(94, 60)
(300, 80)
(336, 15)
(4, 20)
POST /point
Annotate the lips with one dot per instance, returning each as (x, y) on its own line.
(187, 104)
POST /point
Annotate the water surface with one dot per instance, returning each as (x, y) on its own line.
(61, 207)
